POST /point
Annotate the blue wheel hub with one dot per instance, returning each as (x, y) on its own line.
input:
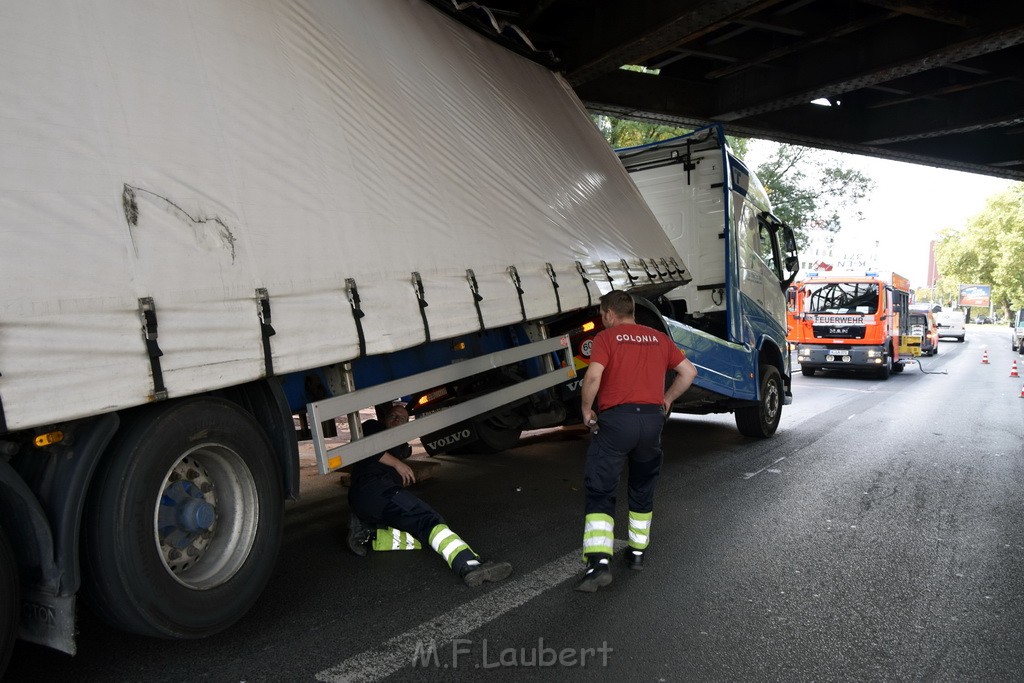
(184, 515)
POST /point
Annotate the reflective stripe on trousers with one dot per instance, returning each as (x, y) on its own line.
(393, 539)
(447, 543)
(598, 534)
(639, 529)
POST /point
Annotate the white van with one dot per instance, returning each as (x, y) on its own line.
(951, 322)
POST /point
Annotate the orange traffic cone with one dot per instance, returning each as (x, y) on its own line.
(1022, 392)
(1013, 370)
(984, 357)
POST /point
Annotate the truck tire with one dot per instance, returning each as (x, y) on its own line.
(762, 420)
(885, 369)
(183, 522)
(10, 601)
(806, 371)
(495, 438)
(491, 438)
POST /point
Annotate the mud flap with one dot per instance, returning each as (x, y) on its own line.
(48, 620)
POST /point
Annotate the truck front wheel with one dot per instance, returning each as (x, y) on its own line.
(10, 602)
(885, 369)
(183, 523)
(762, 420)
(496, 438)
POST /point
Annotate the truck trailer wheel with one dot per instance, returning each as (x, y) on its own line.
(10, 602)
(183, 522)
(762, 420)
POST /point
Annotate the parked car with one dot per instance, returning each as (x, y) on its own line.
(1017, 332)
(923, 324)
(983, 320)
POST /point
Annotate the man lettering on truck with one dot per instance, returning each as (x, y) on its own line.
(628, 363)
(387, 517)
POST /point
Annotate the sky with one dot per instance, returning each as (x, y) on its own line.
(909, 206)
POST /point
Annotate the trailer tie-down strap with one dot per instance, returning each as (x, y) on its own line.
(647, 271)
(608, 273)
(352, 292)
(679, 271)
(147, 312)
(517, 282)
(554, 285)
(266, 329)
(625, 267)
(474, 288)
(586, 282)
(417, 285)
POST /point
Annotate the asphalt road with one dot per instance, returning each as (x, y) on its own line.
(877, 536)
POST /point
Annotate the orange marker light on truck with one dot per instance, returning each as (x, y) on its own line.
(49, 439)
(587, 327)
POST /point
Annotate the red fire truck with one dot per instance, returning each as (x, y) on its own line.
(853, 321)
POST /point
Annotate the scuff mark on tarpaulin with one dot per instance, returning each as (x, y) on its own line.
(129, 202)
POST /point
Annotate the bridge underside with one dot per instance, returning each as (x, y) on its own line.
(936, 82)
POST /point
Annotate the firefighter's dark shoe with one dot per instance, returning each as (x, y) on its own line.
(359, 536)
(634, 559)
(597, 575)
(475, 574)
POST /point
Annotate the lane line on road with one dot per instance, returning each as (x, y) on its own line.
(751, 475)
(399, 652)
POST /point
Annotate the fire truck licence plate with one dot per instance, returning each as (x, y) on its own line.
(836, 352)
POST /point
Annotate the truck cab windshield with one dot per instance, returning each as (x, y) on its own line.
(842, 298)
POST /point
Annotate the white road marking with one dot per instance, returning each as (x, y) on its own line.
(751, 475)
(397, 653)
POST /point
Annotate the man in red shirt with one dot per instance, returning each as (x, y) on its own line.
(627, 370)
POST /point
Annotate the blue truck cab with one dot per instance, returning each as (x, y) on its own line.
(730, 319)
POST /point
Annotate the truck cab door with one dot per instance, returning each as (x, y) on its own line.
(753, 268)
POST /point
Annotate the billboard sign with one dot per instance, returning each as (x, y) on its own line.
(975, 295)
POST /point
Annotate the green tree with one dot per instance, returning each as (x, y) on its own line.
(812, 189)
(989, 250)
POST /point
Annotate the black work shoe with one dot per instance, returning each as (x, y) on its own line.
(634, 559)
(358, 536)
(475, 574)
(598, 575)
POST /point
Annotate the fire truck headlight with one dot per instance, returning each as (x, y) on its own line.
(874, 353)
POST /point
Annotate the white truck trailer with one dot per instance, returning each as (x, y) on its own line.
(219, 215)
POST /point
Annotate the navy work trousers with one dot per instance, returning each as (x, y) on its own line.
(378, 501)
(627, 432)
